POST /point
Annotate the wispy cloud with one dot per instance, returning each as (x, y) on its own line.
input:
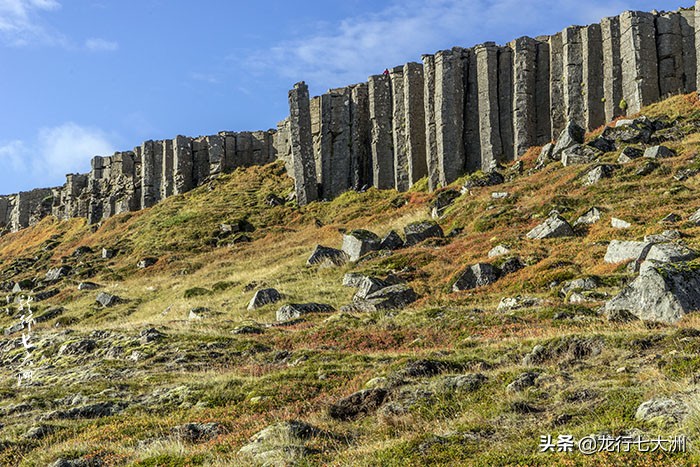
(55, 152)
(356, 47)
(101, 45)
(205, 77)
(20, 22)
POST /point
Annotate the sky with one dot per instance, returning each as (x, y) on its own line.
(80, 78)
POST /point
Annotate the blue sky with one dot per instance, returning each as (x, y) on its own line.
(88, 77)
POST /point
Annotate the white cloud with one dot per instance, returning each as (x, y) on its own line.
(20, 23)
(356, 47)
(101, 45)
(56, 151)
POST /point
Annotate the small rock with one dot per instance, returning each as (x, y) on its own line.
(280, 444)
(572, 135)
(629, 154)
(360, 403)
(297, 310)
(671, 219)
(478, 275)
(498, 250)
(78, 348)
(545, 156)
(264, 297)
(146, 262)
(584, 283)
(417, 232)
(554, 227)
(647, 168)
(695, 218)
(464, 383)
(392, 297)
(88, 286)
(619, 223)
(107, 300)
(512, 265)
(150, 335)
(199, 313)
(659, 152)
(664, 237)
(517, 303)
(392, 241)
(442, 201)
(670, 253)
(353, 279)
(326, 256)
(523, 382)
(619, 251)
(579, 154)
(358, 243)
(500, 195)
(55, 274)
(663, 410)
(599, 173)
(591, 216)
(195, 432)
(603, 144)
(368, 286)
(538, 355)
(481, 179)
(108, 253)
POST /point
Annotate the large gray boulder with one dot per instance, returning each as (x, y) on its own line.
(591, 216)
(264, 297)
(670, 253)
(572, 135)
(579, 154)
(358, 243)
(393, 297)
(326, 256)
(107, 300)
(416, 232)
(368, 286)
(392, 241)
(599, 173)
(297, 310)
(477, 275)
(554, 227)
(663, 292)
(659, 152)
(619, 251)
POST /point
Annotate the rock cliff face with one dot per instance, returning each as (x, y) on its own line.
(458, 111)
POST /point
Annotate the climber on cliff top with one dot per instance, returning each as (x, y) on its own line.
(386, 71)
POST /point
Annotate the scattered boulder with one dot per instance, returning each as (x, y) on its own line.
(353, 279)
(273, 200)
(442, 201)
(358, 243)
(584, 283)
(498, 250)
(146, 262)
(195, 432)
(107, 300)
(88, 286)
(463, 383)
(392, 241)
(478, 275)
(648, 167)
(670, 253)
(23, 285)
(326, 256)
(522, 382)
(629, 154)
(663, 411)
(55, 274)
(636, 131)
(599, 173)
(545, 156)
(695, 218)
(500, 195)
(483, 179)
(659, 152)
(417, 232)
(591, 216)
(297, 310)
(572, 135)
(619, 251)
(98, 410)
(393, 297)
(619, 223)
(81, 251)
(150, 335)
(672, 218)
(663, 292)
(554, 227)
(517, 303)
(80, 347)
(368, 286)
(664, 237)
(360, 403)
(512, 265)
(48, 315)
(280, 444)
(264, 297)
(199, 313)
(603, 144)
(108, 253)
(579, 154)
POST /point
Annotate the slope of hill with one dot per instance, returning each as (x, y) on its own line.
(176, 370)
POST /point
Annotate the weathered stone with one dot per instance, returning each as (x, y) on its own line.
(358, 243)
(522, 382)
(571, 136)
(663, 292)
(512, 265)
(335, 174)
(264, 297)
(195, 432)
(327, 256)
(689, 52)
(629, 154)
(545, 156)
(648, 167)
(150, 335)
(416, 232)
(392, 241)
(554, 227)
(524, 94)
(483, 179)
(505, 101)
(442, 201)
(584, 283)
(599, 173)
(612, 67)
(619, 223)
(367, 286)
(619, 251)
(670, 253)
(640, 73)
(360, 151)
(182, 165)
(518, 303)
(393, 297)
(360, 403)
(449, 115)
(55, 274)
(603, 144)
(489, 118)
(663, 411)
(659, 152)
(498, 250)
(108, 253)
(146, 262)
(592, 73)
(478, 275)
(430, 125)
(634, 132)
(471, 133)
(591, 216)
(280, 444)
(414, 107)
(557, 107)
(353, 279)
(305, 181)
(573, 75)
(543, 130)
(695, 218)
(669, 49)
(398, 121)
(380, 112)
(579, 154)
(663, 237)
(107, 300)
(297, 310)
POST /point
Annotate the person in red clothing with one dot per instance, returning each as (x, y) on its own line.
(386, 71)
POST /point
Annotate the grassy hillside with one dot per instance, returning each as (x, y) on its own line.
(244, 371)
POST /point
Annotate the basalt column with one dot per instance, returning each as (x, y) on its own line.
(449, 115)
(398, 123)
(489, 122)
(592, 47)
(182, 165)
(505, 101)
(669, 48)
(360, 153)
(640, 75)
(612, 67)
(217, 154)
(200, 161)
(150, 170)
(335, 143)
(524, 103)
(544, 121)
(382, 141)
(573, 75)
(301, 145)
(414, 105)
(167, 187)
(689, 54)
(431, 158)
(471, 110)
(557, 106)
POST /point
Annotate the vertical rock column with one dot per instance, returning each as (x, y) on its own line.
(431, 159)
(573, 75)
(505, 101)
(336, 176)
(148, 171)
(524, 92)
(471, 110)
(544, 119)
(380, 123)
(612, 67)
(669, 48)
(689, 53)
(167, 187)
(557, 106)
(360, 152)
(217, 154)
(640, 75)
(592, 47)
(398, 123)
(449, 115)
(301, 145)
(182, 165)
(200, 161)
(414, 105)
(489, 121)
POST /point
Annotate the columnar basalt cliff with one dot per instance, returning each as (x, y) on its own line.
(458, 111)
